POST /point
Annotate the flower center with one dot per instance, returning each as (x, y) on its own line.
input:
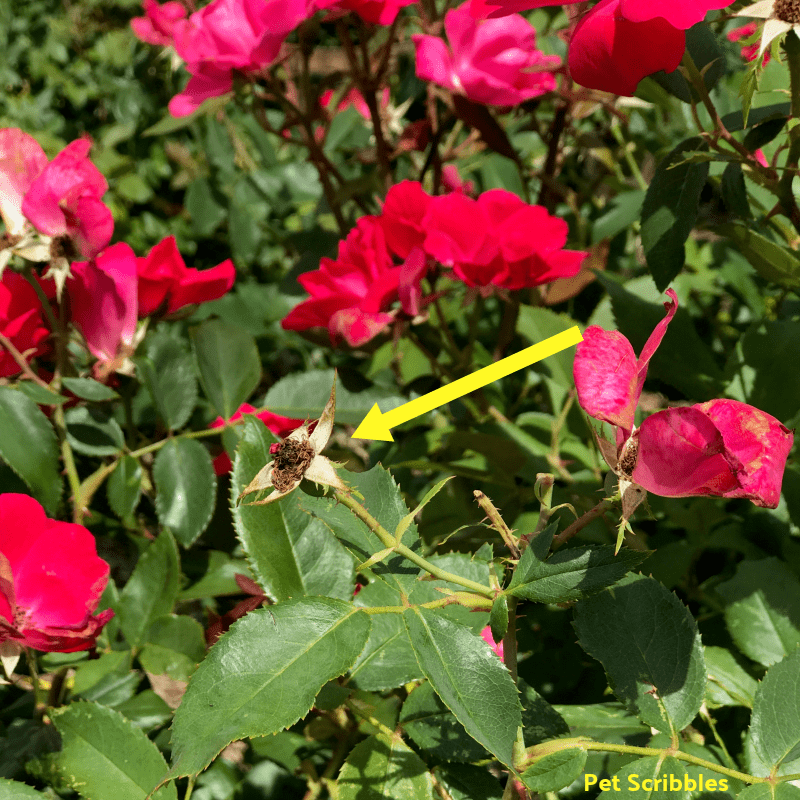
(290, 463)
(630, 453)
(787, 11)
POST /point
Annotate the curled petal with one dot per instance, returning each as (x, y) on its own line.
(323, 473)
(261, 481)
(319, 438)
(653, 341)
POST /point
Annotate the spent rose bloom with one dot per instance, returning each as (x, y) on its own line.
(51, 579)
(498, 240)
(228, 35)
(165, 280)
(780, 17)
(352, 296)
(158, 24)
(280, 426)
(488, 61)
(63, 202)
(723, 448)
(21, 321)
(102, 295)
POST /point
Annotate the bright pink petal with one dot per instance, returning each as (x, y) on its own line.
(434, 61)
(605, 376)
(201, 286)
(21, 321)
(202, 85)
(497, 647)
(653, 341)
(489, 9)
(612, 54)
(402, 217)
(678, 13)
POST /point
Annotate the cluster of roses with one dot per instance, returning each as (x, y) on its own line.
(491, 57)
(495, 242)
(54, 213)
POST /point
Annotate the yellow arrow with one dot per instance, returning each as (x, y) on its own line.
(377, 424)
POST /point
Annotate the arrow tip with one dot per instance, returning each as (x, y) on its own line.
(373, 426)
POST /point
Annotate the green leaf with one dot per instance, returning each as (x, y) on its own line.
(670, 210)
(498, 619)
(387, 661)
(728, 683)
(465, 782)
(28, 445)
(379, 767)
(40, 395)
(291, 551)
(263, 675)
(229, 365)
(648, 644)
(304, 395)
(537, 324)
(151, 590)
(93, 431)
(772, 261)
(762, 609)
(469, 678)
(103, 755)
(736, 122)
(174, 646)
(203, 206)
(763, 133)
(555, 771)
(608, 722)
(12, 790)
(89, 389)
(633, 778)
(572, 573)
(107, 680)
(383, 500)
(186, 488)
(124, 487)
(770, 791)
(734, 191)
(219, 578)
(168, 372)
(775, 724)
(402, 526)
(146, 710)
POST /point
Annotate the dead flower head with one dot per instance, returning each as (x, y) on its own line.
(298, 457)
(780, 17)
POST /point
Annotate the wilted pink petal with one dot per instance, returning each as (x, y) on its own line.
(52, 579)
(64, 200)
(21, 161)
(103, 299)
(611, 53)
(486, 635)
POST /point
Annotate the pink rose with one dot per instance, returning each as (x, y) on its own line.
(102, 295)
(51, 579)
(610, 52)
(498, 240)
(380, 12)
(21, 161)
(165, 280)
(493, 61)
(280, 426)
(21, 321)
(352, 296)
(228, 35)
(64, 201)
(723, 448)
(402, 217)
(159, 23)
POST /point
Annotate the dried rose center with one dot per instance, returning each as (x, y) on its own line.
(63, 247)
(290, 463)
(787, 11)
(627, 462)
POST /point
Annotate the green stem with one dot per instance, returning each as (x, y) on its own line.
(556, 746)
(69, 464)
(38, 702)
(616, 131)
(474, 603)
(190, 787)
(582, 522)
(372, 720)
(389, 541)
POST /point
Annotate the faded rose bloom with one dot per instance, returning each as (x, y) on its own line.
(227, 35)
(498, 241)
(21, 321)
(51, 579)
(63, 202)
(21, 161)
(723, 448)
(497, 647)
(280, 426)
(102, 294)
(610, 52)
(160, 21)
(780, 17)
(165, 280)
(352, 296)
(492, 61)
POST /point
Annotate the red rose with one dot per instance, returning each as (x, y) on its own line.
(20, 321)
(51, 579)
